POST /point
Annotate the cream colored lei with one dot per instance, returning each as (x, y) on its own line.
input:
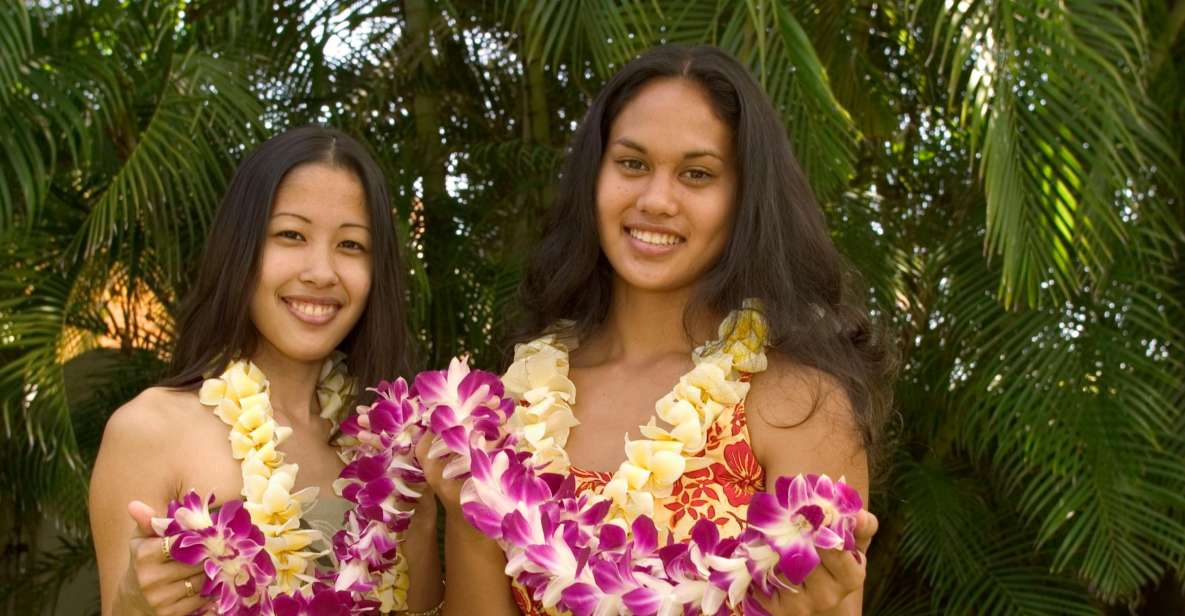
(538, 379)
(240, 399)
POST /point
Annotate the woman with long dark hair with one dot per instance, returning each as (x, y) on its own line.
(684, 229)
(299, 295)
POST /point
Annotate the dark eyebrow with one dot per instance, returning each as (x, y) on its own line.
(633, 145)
(292, 215)
(342, 226)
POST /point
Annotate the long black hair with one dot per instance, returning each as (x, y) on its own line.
(779, 252)
(215, 324)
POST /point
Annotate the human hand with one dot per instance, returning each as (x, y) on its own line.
(155, 584)
(447, 490)
(838, 575)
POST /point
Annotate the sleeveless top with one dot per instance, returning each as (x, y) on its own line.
(719, 492)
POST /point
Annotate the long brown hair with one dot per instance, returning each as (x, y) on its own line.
(215, 324)
(780, 251)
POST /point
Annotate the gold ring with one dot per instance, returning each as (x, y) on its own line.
(189, 591)
(164, 548)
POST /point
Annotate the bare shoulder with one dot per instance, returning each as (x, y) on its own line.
(790, 394)
(157, 411)
(801, 421)
(153, 430)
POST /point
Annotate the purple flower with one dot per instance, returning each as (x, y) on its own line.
(229, 548)
(804, 514)
(464, 407)
(320, 600)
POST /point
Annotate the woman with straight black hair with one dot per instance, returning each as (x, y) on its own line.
(299, 295)
(684, 232)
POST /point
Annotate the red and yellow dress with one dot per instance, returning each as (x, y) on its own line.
(720, 475)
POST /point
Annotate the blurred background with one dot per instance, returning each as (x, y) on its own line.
(1006, 175)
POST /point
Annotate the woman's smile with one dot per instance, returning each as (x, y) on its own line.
(653, 241)
(311, 310)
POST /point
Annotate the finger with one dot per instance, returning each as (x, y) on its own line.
(821, 591)
(143, 515)
(156, 575)
(150, 551)
(188, 605)
(866, 527)
(845, 570)
(166, 594)
(785, 602)
(422, 447)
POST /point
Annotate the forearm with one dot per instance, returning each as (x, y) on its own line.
(475, 569)
(423, 562)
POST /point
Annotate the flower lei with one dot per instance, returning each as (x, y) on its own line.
(256, 557)
(587, 553)
(601, 554)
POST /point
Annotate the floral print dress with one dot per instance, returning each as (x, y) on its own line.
(719, 492)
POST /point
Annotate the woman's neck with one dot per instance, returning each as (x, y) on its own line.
(293, 384)
(644, 325)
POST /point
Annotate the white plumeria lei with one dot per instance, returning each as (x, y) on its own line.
(589, 554)
(602, 554)
(256, 556)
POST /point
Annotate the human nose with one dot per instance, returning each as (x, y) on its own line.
(318, 267)
(658, 198)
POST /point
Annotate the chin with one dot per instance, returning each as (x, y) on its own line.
(653, 284)
(306, 352)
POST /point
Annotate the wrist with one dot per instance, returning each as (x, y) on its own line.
(462, 532)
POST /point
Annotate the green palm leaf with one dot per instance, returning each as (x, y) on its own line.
(1068, 136)
(171, 180)
(972, 555)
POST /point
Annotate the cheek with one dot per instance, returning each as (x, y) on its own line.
(358, 278)
(272, 273)
(719, 221)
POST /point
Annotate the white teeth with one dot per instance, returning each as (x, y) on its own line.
(312, 310)
(658, 239)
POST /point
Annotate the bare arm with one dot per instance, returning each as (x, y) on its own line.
(474, 564)
(801, 421)
(423, 557)
(475, 572)
(135, 577)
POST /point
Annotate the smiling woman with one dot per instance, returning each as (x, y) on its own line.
(686, 286)
(300, 279)
(315, 266)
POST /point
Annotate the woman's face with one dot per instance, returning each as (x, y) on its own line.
(666, 190)
(315, 266)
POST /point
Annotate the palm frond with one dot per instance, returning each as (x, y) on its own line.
(598, 35)
(1068, 135)
(173, 178)
(974, 563)
(1072, 407)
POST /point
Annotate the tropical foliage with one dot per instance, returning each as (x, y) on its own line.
(1007, 177)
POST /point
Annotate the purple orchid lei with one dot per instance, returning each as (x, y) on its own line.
(382, 480)
(563, 547)
(568, 552)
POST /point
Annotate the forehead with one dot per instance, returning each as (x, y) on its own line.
(323, 193)
(674, 113)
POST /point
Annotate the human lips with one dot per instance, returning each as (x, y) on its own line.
(654, 237)
(313, 310)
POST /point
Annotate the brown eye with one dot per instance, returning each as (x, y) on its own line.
(352, 245)
(632, 164)
(698, 175)
(289, 234)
